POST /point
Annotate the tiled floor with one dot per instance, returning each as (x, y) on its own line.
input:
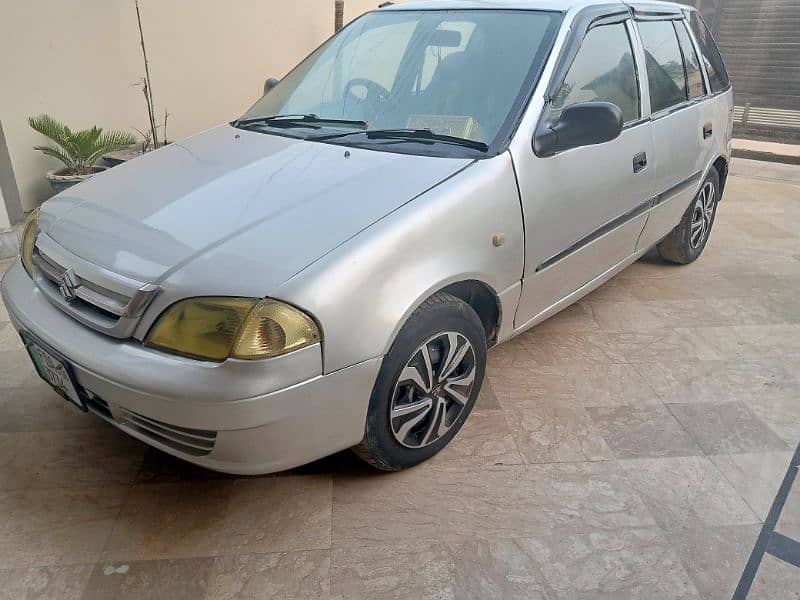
(630, 447)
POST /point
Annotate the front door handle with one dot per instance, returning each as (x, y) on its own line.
(640, 162)
(707, 131)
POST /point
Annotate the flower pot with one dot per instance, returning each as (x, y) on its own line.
(61, 179)
(112, 159)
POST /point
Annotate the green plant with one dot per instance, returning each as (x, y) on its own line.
(78, 150)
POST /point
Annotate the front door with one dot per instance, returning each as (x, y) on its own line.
(585, 208)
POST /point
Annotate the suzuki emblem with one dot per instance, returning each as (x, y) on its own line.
(68, 283)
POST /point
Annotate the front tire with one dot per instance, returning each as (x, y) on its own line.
(687, 241)
(427, 385)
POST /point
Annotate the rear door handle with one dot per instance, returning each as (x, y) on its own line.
(640, 162)
(707, 131)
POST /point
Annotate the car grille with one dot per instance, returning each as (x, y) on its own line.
(195, 442)
(112, 307)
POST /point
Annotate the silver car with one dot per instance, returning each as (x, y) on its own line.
(328, 271)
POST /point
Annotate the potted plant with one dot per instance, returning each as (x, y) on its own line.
(78, 150)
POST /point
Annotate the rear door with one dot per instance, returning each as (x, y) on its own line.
(585, 208)
(683, 128)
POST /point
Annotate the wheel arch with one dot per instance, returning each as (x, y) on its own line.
(721, 166)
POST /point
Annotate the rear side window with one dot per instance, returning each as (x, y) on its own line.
(694, 77)
(715, 67)
(664, 63)
(603, 69)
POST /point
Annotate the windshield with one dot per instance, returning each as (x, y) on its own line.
(455, 74)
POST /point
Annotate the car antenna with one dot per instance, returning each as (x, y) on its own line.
(385, 4)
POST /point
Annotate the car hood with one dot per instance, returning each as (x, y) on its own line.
(273, 203)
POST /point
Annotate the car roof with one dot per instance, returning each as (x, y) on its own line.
(559, 5)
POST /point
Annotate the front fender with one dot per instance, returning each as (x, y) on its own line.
(363, 291)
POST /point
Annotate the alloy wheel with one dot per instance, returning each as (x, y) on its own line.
(703, 215)
(433, 390)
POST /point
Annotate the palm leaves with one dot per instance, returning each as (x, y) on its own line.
(78, 150)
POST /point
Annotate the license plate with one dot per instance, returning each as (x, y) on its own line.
(54, 370)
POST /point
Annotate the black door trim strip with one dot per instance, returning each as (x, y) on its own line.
(675, 190)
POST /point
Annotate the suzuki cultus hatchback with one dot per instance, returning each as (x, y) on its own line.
(328, 270)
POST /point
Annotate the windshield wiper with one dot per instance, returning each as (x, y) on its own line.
(423, 136)
(309, 120)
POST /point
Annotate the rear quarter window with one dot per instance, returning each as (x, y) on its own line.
(712, 59)
(664, 63)
(694, 77)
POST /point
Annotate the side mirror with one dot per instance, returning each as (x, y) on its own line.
(581, 124)
(269, 84)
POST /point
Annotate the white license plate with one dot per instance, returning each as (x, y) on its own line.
(54, 371)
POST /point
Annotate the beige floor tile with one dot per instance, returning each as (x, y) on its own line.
(168, 579)
(578, 384)
(725, 427)
(521, 387)
(782, 415)
(551, 432)
(429, 503)
(654, 315)
(610, 385)
(668, 345)
(755, 476)
(284, 576)
(9, 338)
(209, 518)
(74, 458)
(36, 407)
(719, 381)
(513, 353)
(632, 563)
(750, 341)
(469, 570)
(577, 318)
(688, 491)
(550, 348)
(643, 431)
(715, 557)
(56, 526)
(487, 399)
(485, 440)
(160, 467)
(775, 579)
(16, 368)
(789, 521)
(766, 309)
(44, 583)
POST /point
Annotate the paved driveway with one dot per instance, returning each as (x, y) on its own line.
(631, 447)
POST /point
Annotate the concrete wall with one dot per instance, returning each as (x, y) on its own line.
(4, 222)
(80, 61)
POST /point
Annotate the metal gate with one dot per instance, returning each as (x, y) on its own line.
(760, 42)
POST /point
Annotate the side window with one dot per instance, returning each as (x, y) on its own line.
(694, 77)
(715, 67)
(604, 70)
(664, 64)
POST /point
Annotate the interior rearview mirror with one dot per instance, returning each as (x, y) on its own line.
(269, 84)
(445, 38)
(581, 124)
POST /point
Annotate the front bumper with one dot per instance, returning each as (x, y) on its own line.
(237, 417)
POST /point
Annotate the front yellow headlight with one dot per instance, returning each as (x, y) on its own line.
(218, 328)
(28, 241)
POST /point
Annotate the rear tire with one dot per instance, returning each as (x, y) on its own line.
(427, 385)
(687, 241)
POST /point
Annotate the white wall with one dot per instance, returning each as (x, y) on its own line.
(79, 60)
(4, 223)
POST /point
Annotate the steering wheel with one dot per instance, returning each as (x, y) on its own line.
(375, 95)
